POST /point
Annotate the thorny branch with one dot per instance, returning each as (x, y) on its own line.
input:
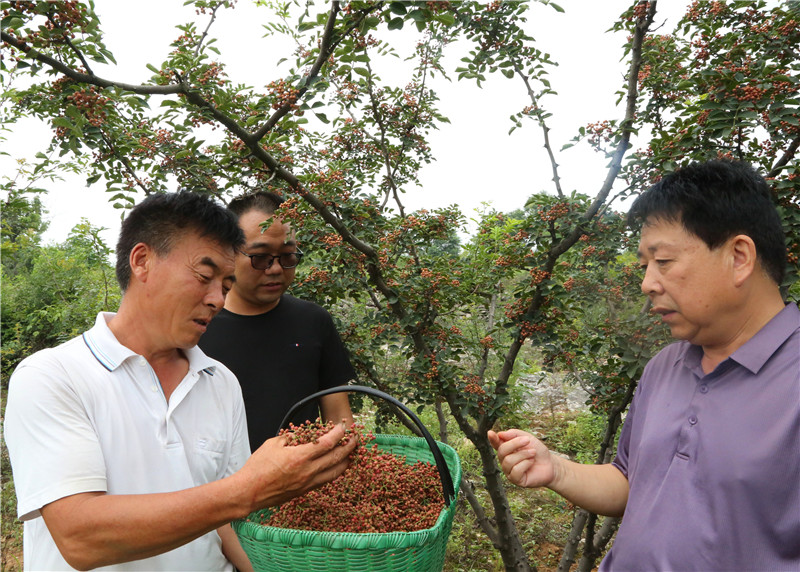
(69, 43)
(642, 26)
(208, 27)
(545, 128)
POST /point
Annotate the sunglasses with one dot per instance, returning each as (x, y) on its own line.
(264, 261)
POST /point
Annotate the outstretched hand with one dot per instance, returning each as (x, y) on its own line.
(524, 459)
(279, 472)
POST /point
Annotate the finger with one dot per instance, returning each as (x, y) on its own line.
(522, 456)
(519, 473)
(330, 472)
(494, 439)
(509, 434)
(518, 443)
(324, 444)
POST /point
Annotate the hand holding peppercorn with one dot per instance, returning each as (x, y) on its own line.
(524, 459)
(277, 472)
(527, 462)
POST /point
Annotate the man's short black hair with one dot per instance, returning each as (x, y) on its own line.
(262, 201)
(715, 201)
(162, 219)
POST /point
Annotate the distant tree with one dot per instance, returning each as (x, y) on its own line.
(22, 226)
(56, 295)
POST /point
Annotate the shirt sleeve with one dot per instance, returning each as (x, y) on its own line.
(623, 447)
(54, 449)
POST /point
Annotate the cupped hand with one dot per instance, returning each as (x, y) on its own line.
(525, 460)
(279, 472)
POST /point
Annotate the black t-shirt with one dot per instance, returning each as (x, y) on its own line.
(279, 357)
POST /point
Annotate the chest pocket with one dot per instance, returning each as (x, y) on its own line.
(211, 458)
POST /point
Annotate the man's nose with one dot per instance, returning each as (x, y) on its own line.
(216, 297)
(274, 267)
(650, 283)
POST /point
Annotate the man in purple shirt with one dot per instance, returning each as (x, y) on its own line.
(707, 473)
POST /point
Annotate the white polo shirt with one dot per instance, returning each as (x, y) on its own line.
(90, 415)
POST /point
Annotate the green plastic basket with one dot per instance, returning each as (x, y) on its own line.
(272, 549)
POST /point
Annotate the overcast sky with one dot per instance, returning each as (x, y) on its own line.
(477, 160)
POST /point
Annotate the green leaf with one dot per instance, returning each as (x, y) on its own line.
(447, 19)
(15, 23)
(62, 122)
(417, 15)
(397, 8)
(395, 24)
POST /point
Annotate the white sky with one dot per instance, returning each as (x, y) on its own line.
(477, 161)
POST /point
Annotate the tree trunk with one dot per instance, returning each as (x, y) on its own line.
(571, 547)
(606, 533)
(488, 528)
(510, 545)
(589, 555)
(442, 418)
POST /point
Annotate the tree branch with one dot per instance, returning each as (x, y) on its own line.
(67, 41)
(205, 32)
(787, 156)
(86, 77)
(126, 163)
(326, 48)
(642, 26)
(545, 129)
(480, 513)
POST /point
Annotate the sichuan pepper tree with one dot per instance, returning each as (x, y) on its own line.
(725, 82)
(460, 319)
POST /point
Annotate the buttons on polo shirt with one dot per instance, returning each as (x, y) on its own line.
(704, 388)
(692, 419)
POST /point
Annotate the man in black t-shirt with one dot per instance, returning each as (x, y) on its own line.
(281, 349)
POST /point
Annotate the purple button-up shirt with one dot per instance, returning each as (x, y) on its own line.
(713, 461)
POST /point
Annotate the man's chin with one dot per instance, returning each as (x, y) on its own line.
(269, 302)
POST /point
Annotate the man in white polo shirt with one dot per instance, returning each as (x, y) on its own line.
(128, 444)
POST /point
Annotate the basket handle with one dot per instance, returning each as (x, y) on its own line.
(448, 490)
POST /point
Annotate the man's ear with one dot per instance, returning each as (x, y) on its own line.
(140, 260)
(745, 258)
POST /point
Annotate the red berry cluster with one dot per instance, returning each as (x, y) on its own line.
(379, 491)
(311, 431)
(283, 94)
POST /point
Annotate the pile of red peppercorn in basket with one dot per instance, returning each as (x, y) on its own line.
(378, 492)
